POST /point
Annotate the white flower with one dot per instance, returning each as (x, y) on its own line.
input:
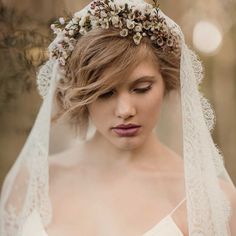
(94, 23)
(120, 4)
(165, 29)
(105, 23)
(124, 32)
(147, 25)
(62, 61)
(71, 32)
(83, 20)
(67, 39)
(160, 41)
(115, 20)
(121, 7)
(82, 31)
(138, 28)
(148, 9)
(64, 55)
(170, 41)
(112, 6)
(73, 41)
(103, 14)
(156, 26)
(71, 47)
(153, 37)
(130, 24)
(69, 25)
(53, 27)
(62, 20)
(137, 38)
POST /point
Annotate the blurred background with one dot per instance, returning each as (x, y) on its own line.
(209, 27)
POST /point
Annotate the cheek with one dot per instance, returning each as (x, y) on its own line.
(150, 107)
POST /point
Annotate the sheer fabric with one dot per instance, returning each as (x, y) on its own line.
(209, 190)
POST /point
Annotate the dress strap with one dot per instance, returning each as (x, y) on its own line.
(179, 204)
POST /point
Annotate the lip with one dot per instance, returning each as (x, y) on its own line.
(126, 130)
(126, 126)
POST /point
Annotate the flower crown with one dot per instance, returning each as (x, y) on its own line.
(138, 20)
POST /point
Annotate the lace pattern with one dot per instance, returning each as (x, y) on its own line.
(203, 163)
(33, 163)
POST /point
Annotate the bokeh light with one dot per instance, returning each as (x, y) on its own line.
(207, 37)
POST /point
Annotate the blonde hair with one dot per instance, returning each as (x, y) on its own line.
(86, 77)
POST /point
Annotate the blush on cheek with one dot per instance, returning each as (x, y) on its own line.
(153, 109)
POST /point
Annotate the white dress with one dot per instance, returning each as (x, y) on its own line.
(166, 227)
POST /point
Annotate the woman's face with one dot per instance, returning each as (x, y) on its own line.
(136, 102)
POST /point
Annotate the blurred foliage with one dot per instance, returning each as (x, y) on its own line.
(22, 50)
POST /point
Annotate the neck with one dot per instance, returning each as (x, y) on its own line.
(103, 152)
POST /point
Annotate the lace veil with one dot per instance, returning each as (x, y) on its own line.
(207, 183)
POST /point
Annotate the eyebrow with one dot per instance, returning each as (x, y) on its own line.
(144, 79)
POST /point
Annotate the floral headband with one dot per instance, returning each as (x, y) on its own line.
(138, 20)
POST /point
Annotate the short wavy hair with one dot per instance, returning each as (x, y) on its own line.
(86, 77)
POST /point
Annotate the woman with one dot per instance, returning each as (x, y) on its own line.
(114, 68)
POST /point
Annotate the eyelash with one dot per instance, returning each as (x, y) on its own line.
(138, 90)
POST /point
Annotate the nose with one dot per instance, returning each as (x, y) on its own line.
(124, 107)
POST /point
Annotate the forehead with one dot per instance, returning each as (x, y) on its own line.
(146, 70)
(145, 67)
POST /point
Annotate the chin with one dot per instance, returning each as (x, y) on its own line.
(128, 144)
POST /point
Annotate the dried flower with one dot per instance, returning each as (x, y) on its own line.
(62, 61)
(103, 14)
(62, 20)
(130, 24)
(105, 23)
(147, 25)
(71, 32)
(138, 28)
(124, 32)
(53, 27)
(115, 20)
(153, 37)
(170, 41)
(138, 20)
(82, 31)
(137, 38)
(156, 26)
(160, 41)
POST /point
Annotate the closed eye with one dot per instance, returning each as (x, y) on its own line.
(143, 90)
(137, 90)
(106, 95)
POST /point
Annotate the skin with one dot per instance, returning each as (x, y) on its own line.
(121, 179)
(131, 102)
